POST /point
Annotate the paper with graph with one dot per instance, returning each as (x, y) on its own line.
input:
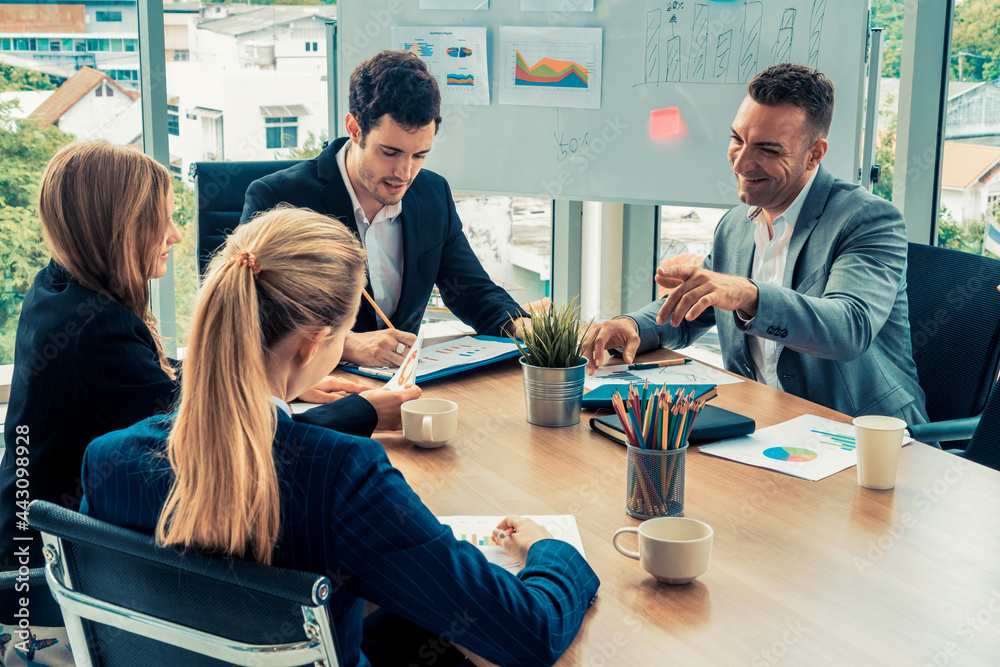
(692, 373)
(808, 446)
(555, 67)
(478, 530)
(406, 374)
(455, 56)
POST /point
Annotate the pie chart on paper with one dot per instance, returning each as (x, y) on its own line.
(790, 454)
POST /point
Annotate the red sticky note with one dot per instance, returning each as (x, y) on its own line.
(664, 122)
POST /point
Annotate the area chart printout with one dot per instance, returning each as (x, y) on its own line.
(455, 56)
(555, 67)
(478, 530)
(809, 447)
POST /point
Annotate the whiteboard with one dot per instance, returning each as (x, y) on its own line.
(694, 56)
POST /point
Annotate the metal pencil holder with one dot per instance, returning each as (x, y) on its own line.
(655, 482)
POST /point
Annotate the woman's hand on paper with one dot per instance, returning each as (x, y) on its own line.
(516, 535)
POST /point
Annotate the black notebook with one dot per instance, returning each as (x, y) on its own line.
(712, 423)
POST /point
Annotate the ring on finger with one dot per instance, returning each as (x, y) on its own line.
(401, 348)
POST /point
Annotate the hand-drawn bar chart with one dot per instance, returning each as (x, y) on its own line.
(726, 42)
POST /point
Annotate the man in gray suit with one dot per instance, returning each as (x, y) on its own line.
(806, 281)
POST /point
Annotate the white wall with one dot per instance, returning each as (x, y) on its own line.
(239, 94)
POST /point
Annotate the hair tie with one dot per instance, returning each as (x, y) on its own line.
(246, 258)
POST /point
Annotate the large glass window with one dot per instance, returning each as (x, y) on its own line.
(28, 144)
(970, 170)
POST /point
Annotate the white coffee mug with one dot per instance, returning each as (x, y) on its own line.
(878, 442)
(675, 550)
(429, 422)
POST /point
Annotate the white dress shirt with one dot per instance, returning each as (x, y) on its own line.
(769, 257)
(382, 239)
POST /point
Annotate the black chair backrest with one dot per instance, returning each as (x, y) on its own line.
(954, 328)
(239, 600)
(984, 447)
(220, 188)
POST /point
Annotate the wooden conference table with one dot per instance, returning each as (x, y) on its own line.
(817, 573)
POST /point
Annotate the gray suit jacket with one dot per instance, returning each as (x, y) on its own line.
(840, 317)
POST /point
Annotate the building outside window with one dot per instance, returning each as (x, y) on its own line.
(109, 17)
(174, 123)
(282, 132)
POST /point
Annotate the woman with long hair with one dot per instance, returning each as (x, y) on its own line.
(87, 356)
(231, 473)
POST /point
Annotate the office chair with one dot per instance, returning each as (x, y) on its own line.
(954, 329)
(129, 602)
(220, 188)
(984, 447)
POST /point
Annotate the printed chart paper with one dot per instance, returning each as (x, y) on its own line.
(407, 373)
(478, 530)
(808, 446)
(455, 56)
(551, 67)
(557, 5)
(693, 373)
(480, 5)
(458, 352)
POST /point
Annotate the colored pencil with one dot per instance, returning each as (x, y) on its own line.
(377, 309)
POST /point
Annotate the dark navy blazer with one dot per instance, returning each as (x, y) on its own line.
(348, 514)
(435, 249)
(85, 366)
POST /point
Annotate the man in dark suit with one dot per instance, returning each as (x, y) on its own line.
(405, 217)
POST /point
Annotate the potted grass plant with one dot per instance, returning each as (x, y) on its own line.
(553, 366)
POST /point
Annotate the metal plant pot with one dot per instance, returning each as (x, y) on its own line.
(553, 396)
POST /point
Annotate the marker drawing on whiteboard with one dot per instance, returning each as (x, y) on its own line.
(699, 44)
(786, 34)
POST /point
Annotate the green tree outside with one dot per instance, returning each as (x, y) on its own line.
(25, 149)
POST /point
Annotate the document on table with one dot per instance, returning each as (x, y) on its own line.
(478, 530)
(808, 446)
(693, 373)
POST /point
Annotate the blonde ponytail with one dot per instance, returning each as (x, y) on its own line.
(286, 271)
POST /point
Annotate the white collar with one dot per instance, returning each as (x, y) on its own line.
(284, 407)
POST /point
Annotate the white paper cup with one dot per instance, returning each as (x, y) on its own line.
(429, 422)
(879, 441)
(675, 550)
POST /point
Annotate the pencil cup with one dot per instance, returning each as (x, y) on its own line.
(655, 482)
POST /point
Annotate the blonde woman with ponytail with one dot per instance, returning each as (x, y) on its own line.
(88, 359)
(231, 473)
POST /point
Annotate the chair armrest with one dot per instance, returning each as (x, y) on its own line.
(953, 429)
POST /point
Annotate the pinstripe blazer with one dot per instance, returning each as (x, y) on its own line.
(84, 366)
(348, 514)
(840, 317)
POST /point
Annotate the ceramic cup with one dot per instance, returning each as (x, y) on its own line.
(675, 550)
(879, 441)
(429, 422)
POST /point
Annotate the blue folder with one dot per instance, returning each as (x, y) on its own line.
(424, 377)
